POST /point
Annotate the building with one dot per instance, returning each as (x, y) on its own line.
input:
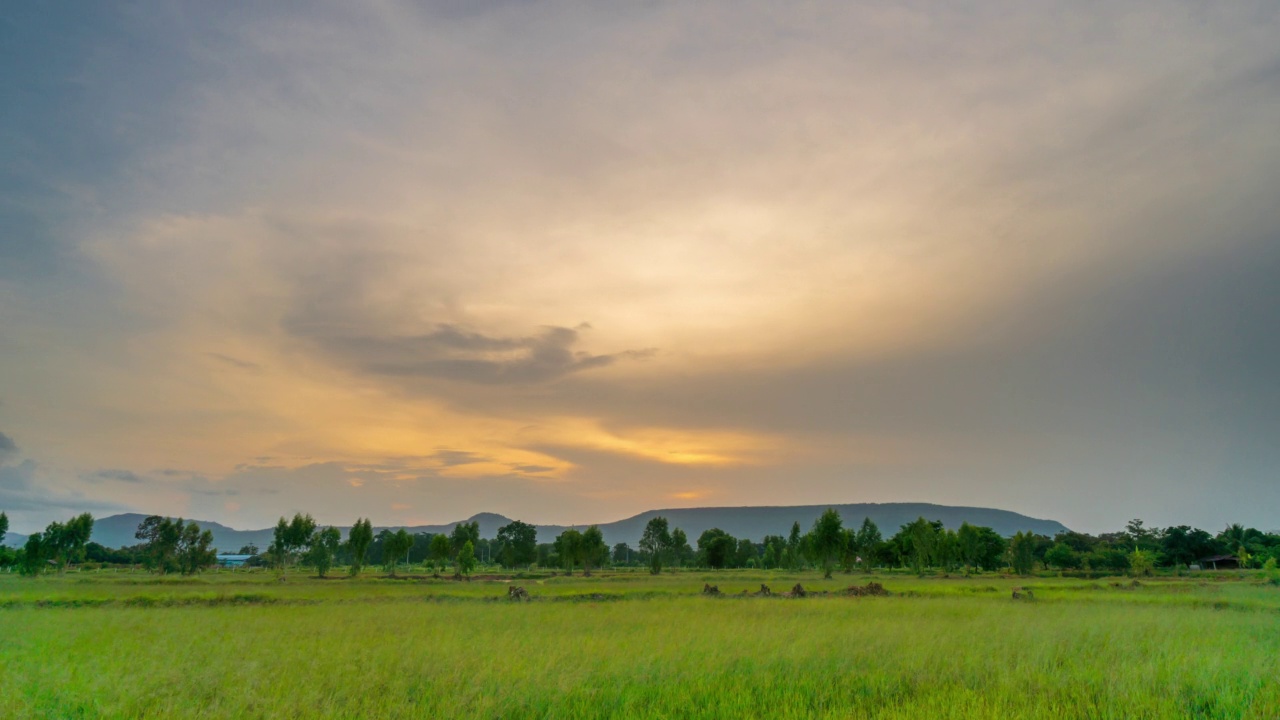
(1221, 562)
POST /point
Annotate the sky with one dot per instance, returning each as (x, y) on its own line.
(573, 261)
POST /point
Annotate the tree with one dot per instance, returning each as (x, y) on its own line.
(1022, 547)
(569, 547)
(31, 558)
(466, 559)
(441, 549)
(655, 541)
(161, 537)
(358, 542)
(291, 537)
(717, 548)
(680, 550)
(593, 550)
(1141, 562)
(64, 542)
(194, 552)
(1062, 557)
(249, 549)
(827, 539)
(4, 526)
(323, 548)
(918, 542)
(979, 547)
(395, 548)
(793, 546)
(464, 533)
(519, 543)
(621, 553)
(745, 554)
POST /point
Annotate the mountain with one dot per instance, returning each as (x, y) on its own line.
(749, 522)
(756, 522)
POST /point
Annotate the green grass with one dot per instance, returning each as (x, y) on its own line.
(238, 645)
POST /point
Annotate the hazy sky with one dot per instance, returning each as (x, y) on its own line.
(573, 261)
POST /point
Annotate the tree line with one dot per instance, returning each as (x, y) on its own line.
(175, 546)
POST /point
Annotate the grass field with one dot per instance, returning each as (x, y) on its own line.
(241, 645)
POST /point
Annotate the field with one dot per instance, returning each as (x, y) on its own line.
(243, 645)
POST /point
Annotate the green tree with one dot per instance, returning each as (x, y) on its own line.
(1141, 562)
(519, 543)
(466, 559)
(358, 542)
(745, 554)
(160, 538)
(569, 546)
(1062, 557)
(64, 542)
(290, 538)
(868, 541)
(717, 548)
(31, 558)
(464, 533)
(441, 549)
(194, 551)
(621, 554)
(323, 548)
(4, 526)
(655, 541)
(593, 550)
(793, 546)
(918, 542)
(680, 550)
(1022, 552)
(395, 549)
(827, 539)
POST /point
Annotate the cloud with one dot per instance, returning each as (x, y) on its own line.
(120, 475)
(8, 449)
(449, 353)
(234, 362)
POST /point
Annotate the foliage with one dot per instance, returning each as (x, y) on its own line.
(569, 547)
(323, 549)
(717, 548)
(827, 539)
(1062, 557)
(291, 537)
(1021, 552)
(655, 541)
(358, 542)
(518, 543)
(64, 542)
(441, 549)
(395, 549)
(171, 545)
(592, 550)
(466, 559)
(1141, 562)
(464, 533)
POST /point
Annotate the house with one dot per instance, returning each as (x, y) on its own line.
(1221, 562)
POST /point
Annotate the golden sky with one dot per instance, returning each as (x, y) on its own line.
(569, 263)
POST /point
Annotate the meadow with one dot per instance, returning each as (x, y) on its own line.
(627, 644)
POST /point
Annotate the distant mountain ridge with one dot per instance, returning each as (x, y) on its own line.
(753, 522)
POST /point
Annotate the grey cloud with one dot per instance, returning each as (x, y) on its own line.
(20, 490)
(451, 458)
(449, 353)
(8, 448)
(121, 475)
(234, 362)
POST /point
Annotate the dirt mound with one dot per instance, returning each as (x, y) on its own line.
(1023, 594)
(764, 591)
(517, 593)
(797, 591)
(868, 590)
(709, 589)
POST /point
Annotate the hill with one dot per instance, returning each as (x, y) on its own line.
(749, 522)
